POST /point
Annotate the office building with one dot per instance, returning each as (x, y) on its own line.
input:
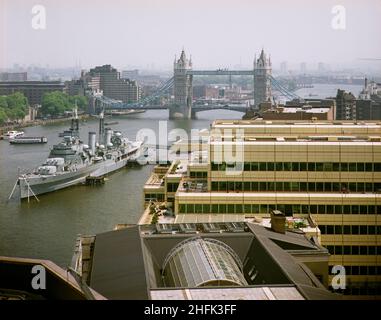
(33, 90)
(114, 87)
(329, 171)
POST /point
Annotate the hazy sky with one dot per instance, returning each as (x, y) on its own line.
(218, 33)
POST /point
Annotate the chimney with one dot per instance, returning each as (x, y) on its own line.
(278, 221)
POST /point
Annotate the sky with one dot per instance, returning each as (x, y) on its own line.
(217, 33)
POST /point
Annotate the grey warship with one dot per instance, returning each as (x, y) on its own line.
(71, 161)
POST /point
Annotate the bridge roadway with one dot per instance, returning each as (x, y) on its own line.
(198, 108)
(221, 72)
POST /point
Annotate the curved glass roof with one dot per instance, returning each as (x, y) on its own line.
(197, 262)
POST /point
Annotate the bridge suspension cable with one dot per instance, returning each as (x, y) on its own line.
(277, 85)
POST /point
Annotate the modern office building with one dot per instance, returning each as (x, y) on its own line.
(33, 90)
(328, 171)
(202, 261)
(114, 87)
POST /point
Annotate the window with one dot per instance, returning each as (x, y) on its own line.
(336, 167)
(296, 209)
(371, 209)
(344, 166)
(279, 166)
(346, 209)
(303, 186)
(255, 186)
(363, 250)
(295, 166)
(182, 208)
(329, 209)
(247, 186)
(286, 186)
(238, 208)
(347, 229)
(222, 208)
(231, 208)
(206, 208)
(214, 186)
(319, 166)
(327, 186)
(263, 186)
(330, 229)
(328, 166)
(294, 186)
(321, 209)
(369, 167)
(198, 208)
(338, 250)
(279, 186)
(313, 209)
(247, 208)
(311, 187)
(355, 209)
(287, 166)
(319, 186)
(336, 186)
(214, 208)
(222, 186)
(246, 166)
(360, 167)
(270, 166)
(338, 209)
(262, 166)
(311, 166)
(377, 167)
(355, 250)
(190, 208)
(338, 230)
(347, 250)
(254, 166)
(355, 230)
(303, 166)
(255, 208)
(363, 209)
(352, 167)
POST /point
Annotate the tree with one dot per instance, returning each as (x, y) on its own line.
(3, 102)
(54, 103)
(81, 101)
(3, 116)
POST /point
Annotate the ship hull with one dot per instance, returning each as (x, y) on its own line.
(45, 184)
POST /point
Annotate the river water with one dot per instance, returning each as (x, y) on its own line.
(48, 229)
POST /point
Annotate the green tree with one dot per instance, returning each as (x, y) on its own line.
(3, 116)
(3, 102)
(81, 101)
(55, 103)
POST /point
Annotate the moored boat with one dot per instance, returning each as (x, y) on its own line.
(28, 140)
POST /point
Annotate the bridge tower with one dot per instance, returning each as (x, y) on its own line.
(183, 88)
(262, 81)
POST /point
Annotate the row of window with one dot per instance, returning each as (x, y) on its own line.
(288, 209)
(360, 270)
(264, 186)
(354, 250)
(298, 166)
(198, 174)
(359, 289)
(154, 197)
(172, 187)
(350, 229)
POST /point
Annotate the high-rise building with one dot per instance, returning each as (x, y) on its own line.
(262, 81)
(114, 87)
(329, 172)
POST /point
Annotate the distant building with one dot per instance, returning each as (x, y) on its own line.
(205, 91)
(366, 107)
(345, 105)
(262, 81)
(283, 67)
(13, 76)
(114, 87)
(130, 74)
(303, 67)
(305, 112)
(33, 90)
(75, 87)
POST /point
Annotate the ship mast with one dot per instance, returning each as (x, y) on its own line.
(101, 127)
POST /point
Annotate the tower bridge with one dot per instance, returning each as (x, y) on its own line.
(182, 84)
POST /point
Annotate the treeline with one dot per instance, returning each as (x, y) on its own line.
(13, 107)
(56, 103)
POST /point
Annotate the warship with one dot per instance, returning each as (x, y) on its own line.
(72, 162)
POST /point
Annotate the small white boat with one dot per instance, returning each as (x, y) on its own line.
(13, 134)
(28, 140)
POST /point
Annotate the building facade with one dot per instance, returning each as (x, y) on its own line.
(262, 81)
(33, 90)
(328, 171)
(114, 87)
